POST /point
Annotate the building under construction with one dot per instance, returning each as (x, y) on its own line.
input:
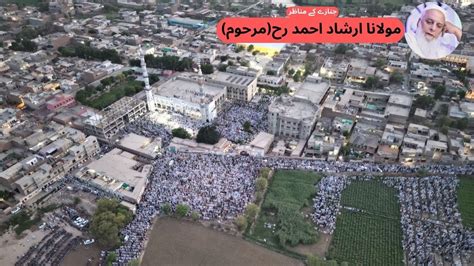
(108, 122)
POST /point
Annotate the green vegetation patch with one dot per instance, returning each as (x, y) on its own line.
(370, 235)
(109, 91)
(366, 240)
(373, 197)
(109, 218)
(466, 201)
(281, 221)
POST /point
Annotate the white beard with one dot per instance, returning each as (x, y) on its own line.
(429, 48)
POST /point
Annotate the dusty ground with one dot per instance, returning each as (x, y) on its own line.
(319, 248)
(174, 242)
(12, 247)
(81, 255)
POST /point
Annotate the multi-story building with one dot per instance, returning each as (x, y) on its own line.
(106, 124)
(56, 155)
(292, 117)
(334, 71)
(239, 88)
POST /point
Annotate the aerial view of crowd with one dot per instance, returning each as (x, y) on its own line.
(431, 222)
(230, 123)
(218, 187)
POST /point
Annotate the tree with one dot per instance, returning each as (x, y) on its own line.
(250, 48)
(372, 83)
(439, 91)
(239, 48)
(224, 58)
(297, 76)
(109, 218)
(181, 133)
(111, 258)
(166, 208)
(261, 184)
(255, 52)
(207, 69)
(396, 77)
(291, 72)
(462, 123)
(241, 222)
(154, 78)
(380, 63)
(182, 210)
(251, 211)
(341, 49)
(258, 197)
(248, 127)
(77, 200)
(265, 172)
(208, 135)
(222, 67)
(424, 102)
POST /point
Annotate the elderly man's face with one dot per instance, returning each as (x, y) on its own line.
(432, 24)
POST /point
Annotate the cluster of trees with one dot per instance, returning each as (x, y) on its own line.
(181, 133)
(239, 48)
(444, 123)
(107, 221)
(372, 83)
(207, 69)
(87, 52)
(297, 76)
(24, 45)
(168, 62)
(23, 40)
(6, 195)
(396, 77)
(111, 90)
(208, 135)
(424, 102)
(341, 49)
(380, 63)
(250, 214)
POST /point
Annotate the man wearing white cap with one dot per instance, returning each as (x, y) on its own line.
(434, 36)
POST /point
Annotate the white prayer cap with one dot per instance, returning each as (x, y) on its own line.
(435, 6)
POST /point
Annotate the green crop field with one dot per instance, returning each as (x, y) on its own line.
(466, 200)
(367, 240)
(281, 222)
(373, 197)
(373, 235)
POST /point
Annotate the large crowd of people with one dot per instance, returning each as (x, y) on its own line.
(149, 128)
(230, 123)
(218, 187)
(431, 221)
(327, 202)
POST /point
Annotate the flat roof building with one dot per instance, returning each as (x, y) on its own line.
(292, 117)
(118, 172)
(196, 99)
(140, 145)
(239, 88)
